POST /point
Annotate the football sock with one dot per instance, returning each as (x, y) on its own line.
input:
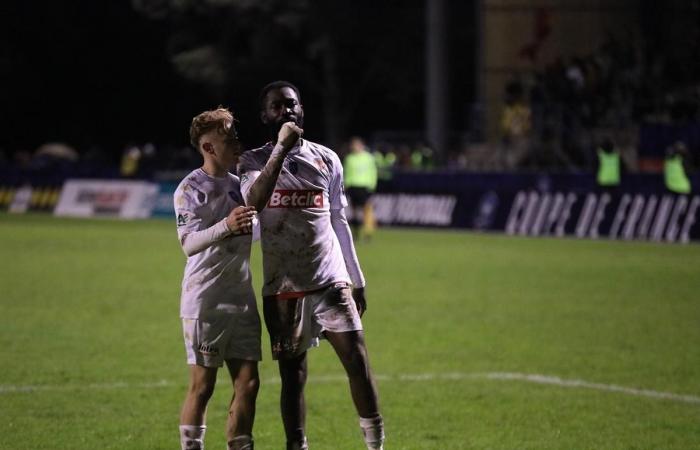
(301, 445)
(373, 431)
(243, 442)
(192, 437)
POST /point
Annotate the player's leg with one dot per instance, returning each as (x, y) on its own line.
(352, 352)
(290, 336)
(241, 414)
(193, 414)
(337, 313)
(356, 200)
(293, 372)
(369, 222)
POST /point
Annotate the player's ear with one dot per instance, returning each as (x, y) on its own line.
(208, 147)
(263, 117)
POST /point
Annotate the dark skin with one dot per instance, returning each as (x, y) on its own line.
(281, 109)
(282, 106)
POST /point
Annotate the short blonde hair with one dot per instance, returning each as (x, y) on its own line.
(220, 119)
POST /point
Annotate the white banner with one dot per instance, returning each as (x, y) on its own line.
(107, 198)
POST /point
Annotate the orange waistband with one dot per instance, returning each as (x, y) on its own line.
(299, 294)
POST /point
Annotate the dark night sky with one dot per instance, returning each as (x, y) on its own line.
(97, 73)
(92, 72)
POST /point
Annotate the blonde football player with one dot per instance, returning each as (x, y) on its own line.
(219, 315)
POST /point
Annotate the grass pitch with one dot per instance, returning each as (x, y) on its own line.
(463, 330)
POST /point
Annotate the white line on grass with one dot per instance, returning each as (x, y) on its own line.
(448, 376)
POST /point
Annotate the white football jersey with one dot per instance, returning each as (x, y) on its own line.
(301, 252)
(217, 278)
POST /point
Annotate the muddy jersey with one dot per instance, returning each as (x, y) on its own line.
(301, 252)
(218, 277)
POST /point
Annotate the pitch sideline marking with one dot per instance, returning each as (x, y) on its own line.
(454, 376)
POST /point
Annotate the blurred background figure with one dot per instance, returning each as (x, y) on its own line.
(608, 176)
(131, 157)
(515, 126)
(385, 159)
(675, 175)
(360, 172)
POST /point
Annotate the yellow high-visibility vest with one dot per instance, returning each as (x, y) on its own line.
(608, 168)
(674, 175)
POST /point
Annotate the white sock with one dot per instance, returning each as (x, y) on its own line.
(303, 445)
(243, 442)
(192, 437)
(373, 430)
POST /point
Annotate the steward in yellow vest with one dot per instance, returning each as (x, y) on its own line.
(675, 177)
(608, 165)
(360, 177)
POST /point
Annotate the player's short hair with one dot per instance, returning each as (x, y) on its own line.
(220, 119)
(279, 84)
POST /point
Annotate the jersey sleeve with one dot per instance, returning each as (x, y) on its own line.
(248, 170)
(342, 230)
(193, 238)
(336, 191)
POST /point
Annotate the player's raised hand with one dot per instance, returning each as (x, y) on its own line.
(358, 294)
(288, 135)
(240, 220)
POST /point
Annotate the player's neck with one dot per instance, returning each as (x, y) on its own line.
(214, 170)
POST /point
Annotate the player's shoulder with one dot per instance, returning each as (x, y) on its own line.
(234, 180)
(254, 158)
(192, 181)
(321, 150)
(315, 147)
(328, 156)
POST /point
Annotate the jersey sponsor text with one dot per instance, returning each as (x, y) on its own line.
(302, 198)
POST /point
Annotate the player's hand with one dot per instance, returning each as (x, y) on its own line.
(289, 135)
(240, 220)
(358, 294)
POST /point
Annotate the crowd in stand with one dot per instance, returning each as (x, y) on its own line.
(557, 118)
(552, 120)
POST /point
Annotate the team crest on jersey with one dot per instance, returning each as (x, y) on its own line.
(293, 167)
(321, 164)
(182, 219)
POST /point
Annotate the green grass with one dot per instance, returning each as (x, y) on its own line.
(89, 319)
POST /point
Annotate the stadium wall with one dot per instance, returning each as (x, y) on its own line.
(558, 205)
(555, 205)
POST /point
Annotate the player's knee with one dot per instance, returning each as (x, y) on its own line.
(201, 390)
(248, 387)
(293, 376)
(355, 360)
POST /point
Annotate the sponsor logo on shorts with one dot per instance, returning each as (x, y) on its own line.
(301, 198)
(205, 349)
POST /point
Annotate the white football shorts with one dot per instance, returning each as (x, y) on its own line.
(295, 324)
(216, 337)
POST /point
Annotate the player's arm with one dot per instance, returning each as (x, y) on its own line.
(258, 185)
(339, 222)
(193, 239)
(239, 221)
(342, 230)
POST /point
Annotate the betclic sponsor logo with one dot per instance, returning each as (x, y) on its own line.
(296, 198)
